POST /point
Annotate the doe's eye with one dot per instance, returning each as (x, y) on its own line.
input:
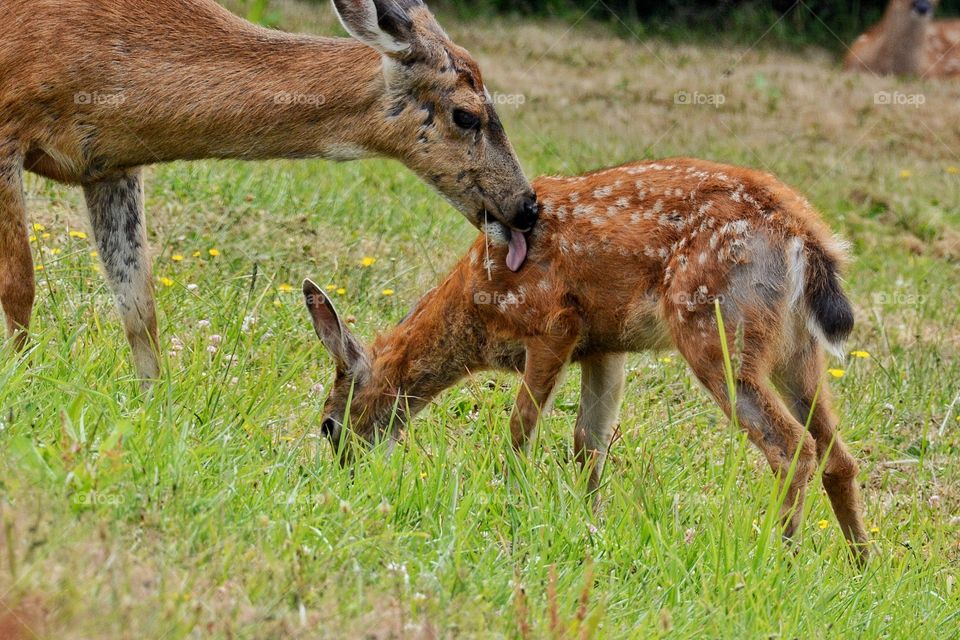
(465, 119)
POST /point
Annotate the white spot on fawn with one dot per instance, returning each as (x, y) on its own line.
(603, 192)
(584, 210)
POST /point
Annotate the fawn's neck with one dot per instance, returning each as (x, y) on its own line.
(903, 39)
(436, 346)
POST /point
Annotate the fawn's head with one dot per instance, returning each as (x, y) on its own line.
(438, 117)
(350, 398)
(914, 10)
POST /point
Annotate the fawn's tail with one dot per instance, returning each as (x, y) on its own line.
(815, 280)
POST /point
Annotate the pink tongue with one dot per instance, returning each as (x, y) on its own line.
(518, 250)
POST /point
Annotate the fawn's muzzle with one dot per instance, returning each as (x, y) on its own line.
(923, 7)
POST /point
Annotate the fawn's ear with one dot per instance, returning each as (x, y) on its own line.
(347, 352)
(384, 25)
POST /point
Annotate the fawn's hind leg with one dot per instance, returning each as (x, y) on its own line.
(17, 287)
(116, 215)
(601, 394)
(759, 410)
(809, 399)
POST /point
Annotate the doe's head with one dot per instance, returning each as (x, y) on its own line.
(351, 406)
(438, 117)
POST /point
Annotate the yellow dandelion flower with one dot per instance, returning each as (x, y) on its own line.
(167, 282)
(953, 170)
(277, 303)
(55, 252)
(214, 253)
(177, 257)
(368, 262)
(388, 292)
(423, 475)
(196, 254)
(39, 267)
(45, 236)
(32, 238)
(823, 524)
(39, 227)
(837, 373)
(79, 235)
(332, 287)
(860, 354)
(341, 291)
(285, 288)
(94, 254)
(906, 173)
(666, 360)
(875, 530)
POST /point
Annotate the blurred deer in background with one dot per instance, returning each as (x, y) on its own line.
(92, 91)
(630, 259)
(909, 42)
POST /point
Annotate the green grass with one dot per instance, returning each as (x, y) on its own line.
(211, 508)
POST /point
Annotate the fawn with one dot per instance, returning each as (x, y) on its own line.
(629, 259)
(90, 92)
(909, 42)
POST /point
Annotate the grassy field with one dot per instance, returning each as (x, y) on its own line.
(211, 508)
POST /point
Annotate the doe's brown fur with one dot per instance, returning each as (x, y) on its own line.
(629, 259)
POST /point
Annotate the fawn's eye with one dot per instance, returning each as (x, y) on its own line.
(466, 120)
(328, 427)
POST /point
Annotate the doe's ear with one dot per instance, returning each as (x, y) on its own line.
(346, 350)
(384, 25)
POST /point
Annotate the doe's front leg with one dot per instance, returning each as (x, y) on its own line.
(17, 288)
(116, 213)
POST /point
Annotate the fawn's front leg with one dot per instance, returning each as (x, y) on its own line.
(601, 394)
(116, 214)
(547, 357)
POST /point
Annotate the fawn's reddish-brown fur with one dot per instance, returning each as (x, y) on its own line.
(909, 42)
(622, 260)
(92, 90)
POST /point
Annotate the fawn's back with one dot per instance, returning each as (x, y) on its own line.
(638, 248)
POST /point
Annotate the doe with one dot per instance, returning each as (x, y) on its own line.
(90, 92)
(630, 259)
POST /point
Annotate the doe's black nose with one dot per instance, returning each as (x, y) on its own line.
(528, 215)
(923, 7)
